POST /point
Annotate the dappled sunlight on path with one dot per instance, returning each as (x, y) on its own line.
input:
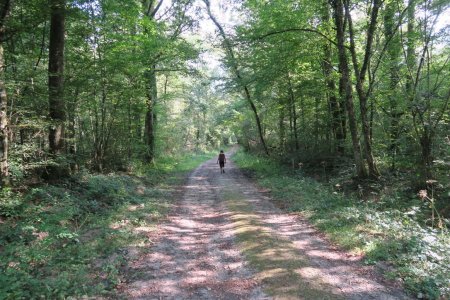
(226, 240)
(194, 256)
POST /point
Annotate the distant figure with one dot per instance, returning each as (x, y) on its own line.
(221, 160)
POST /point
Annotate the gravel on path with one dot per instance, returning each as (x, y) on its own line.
(201, 250)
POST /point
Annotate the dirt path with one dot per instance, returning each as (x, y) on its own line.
(225, 240)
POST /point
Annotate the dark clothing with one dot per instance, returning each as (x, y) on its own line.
(221, 160)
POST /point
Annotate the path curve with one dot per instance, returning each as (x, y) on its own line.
(201, 251)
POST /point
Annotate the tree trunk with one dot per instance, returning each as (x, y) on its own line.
(151, 8)
(426, 143)
(410, 50)
(71, 134)
(346, 85)
(4, 168)
(294, 112)
(316, 122)
(130, 132)
(281, 127)
(342, 109)
(150, 117)
(291, 127)
(4, 172)
(336, 123)
(360, 79)
(56, 82)
(255, 113)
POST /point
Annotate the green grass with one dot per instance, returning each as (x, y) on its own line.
(70, 240)
(418, 254)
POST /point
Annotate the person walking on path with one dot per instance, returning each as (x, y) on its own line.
(221, 160)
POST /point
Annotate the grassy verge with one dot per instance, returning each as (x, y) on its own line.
(415, 254)
(69, 240)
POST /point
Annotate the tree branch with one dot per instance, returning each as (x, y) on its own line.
(158, 6)
(384, 49)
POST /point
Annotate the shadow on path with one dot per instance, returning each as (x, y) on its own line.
(225, 240)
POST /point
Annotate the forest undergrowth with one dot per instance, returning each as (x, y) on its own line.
(69, 239)
(389, 234)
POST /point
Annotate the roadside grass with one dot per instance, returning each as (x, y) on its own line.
(390, 237)
(71, 239)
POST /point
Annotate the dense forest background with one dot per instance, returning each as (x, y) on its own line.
(353, 93)
(100, 84)
(130, 86)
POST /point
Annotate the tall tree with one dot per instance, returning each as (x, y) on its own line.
(429, 96)
(151, 8)
(360, 74)
(4, 172)
(293, 110)
(235, 69)
(336, 111)
(164, 30)
(345, 83)
(150, 114)
(411, 48)
(56, 79)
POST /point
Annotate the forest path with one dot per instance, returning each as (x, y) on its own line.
(226, 240)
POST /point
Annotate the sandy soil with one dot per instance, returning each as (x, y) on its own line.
(199, 252)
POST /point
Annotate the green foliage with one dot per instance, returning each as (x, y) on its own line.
(379, 230)
(109, 48)
(67, 240)
(282, 49)
(11, 204)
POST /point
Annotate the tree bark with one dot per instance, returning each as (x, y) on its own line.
(345, 83)
(336, 123)
(71, 134)
(342, 109)
(360, 74)
(4, 168)
(151, 8)
(281, 127)
(150, 116)
(426, 144)
(294, 112)
(410, 49)
(291, 127)
(237, 73)
(335, 109)
(56, 77)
